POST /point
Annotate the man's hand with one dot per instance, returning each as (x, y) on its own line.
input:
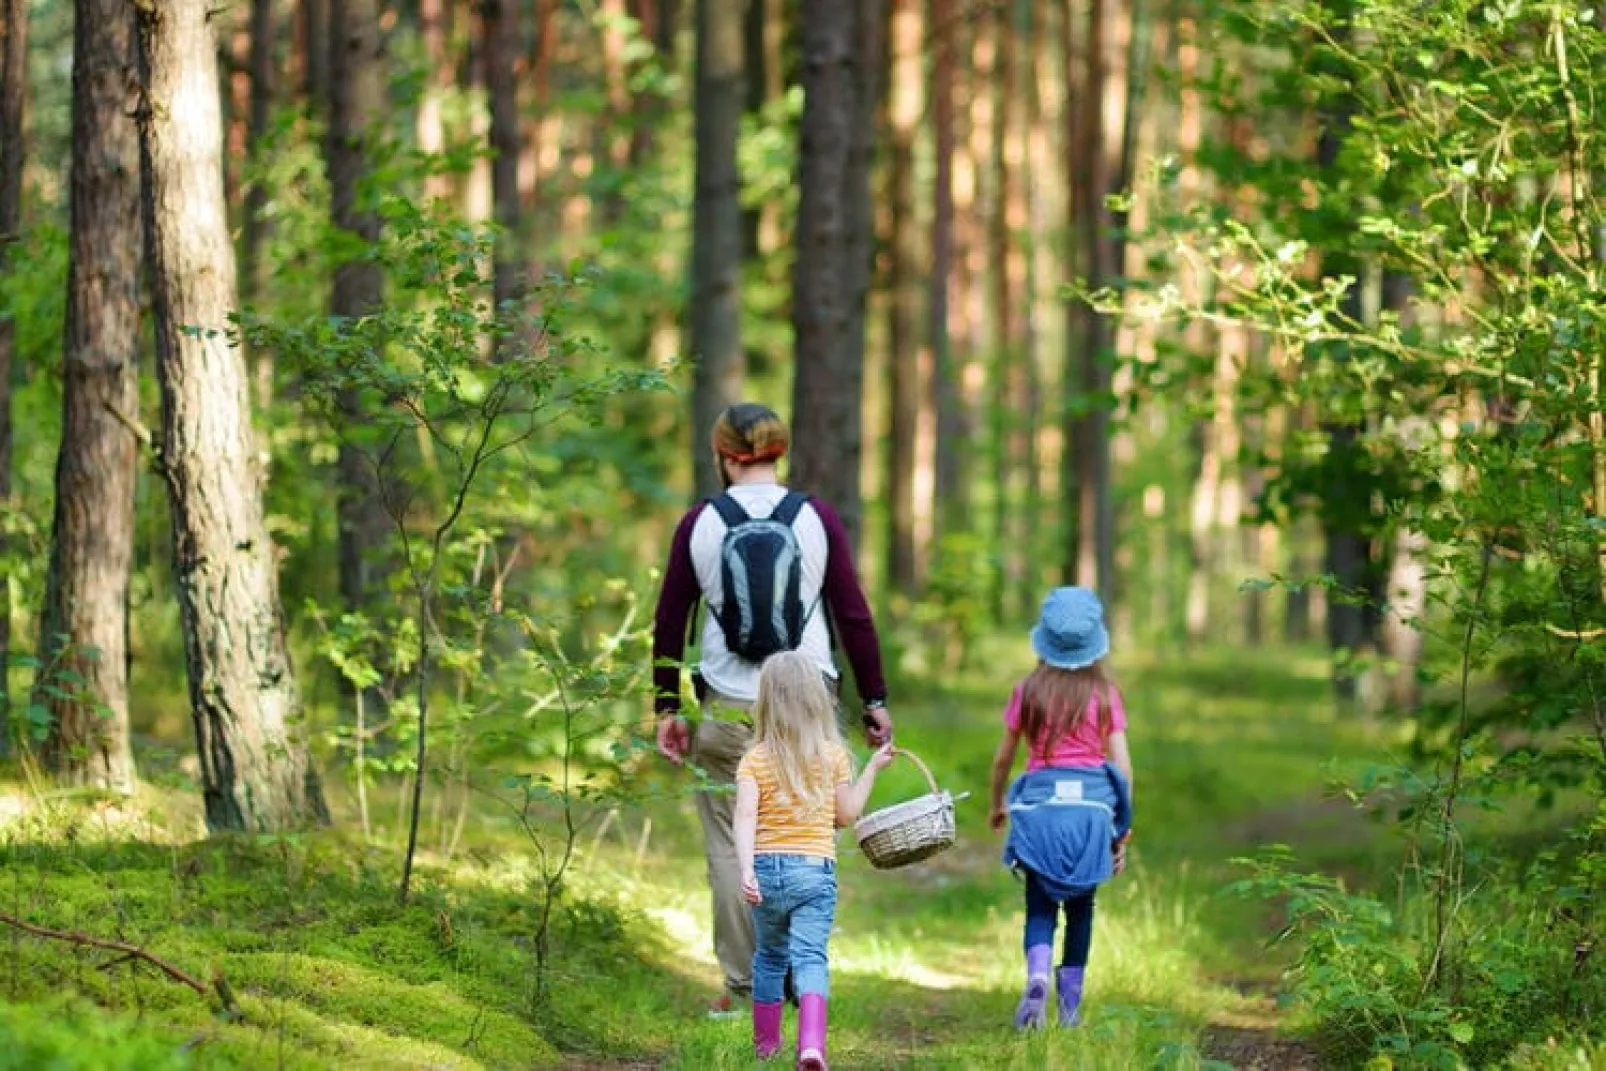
(877, 727)
(674, 738)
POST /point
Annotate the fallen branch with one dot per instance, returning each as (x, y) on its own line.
(129, 951)
(1575, 634)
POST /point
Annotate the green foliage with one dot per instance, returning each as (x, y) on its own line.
(64, 1036)
(1456, 166)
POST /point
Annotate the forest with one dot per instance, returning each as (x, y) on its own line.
(357, 361)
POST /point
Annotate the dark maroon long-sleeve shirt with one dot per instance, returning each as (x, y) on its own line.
(844, 600)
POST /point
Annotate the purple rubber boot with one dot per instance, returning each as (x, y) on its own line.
(811, 1032)
(767, 1029)
(1029, 1012)
(1070, 994)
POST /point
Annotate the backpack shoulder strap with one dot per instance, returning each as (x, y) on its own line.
(788, 508)
(730, 511)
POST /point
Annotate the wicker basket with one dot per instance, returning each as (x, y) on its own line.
(908, 832)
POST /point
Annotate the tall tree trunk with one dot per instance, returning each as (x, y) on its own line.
(255, 773)
(939, 300)
(1027, 390)
(756, 77)
(831, 274)
(716, 309)
(1002, 265)
(1347, 548)
(313, 25)
(1102, 128)
(1405, 591)
(13, 107)
(430, 122)
(254, 228)
(903, 308)
(84, 628)
(501, 30)
(356, 110)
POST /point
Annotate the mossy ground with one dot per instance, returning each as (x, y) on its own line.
(328, 971)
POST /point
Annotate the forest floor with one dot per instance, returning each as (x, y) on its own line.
(1233, 752)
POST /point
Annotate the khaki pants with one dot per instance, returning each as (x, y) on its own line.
(718, 746)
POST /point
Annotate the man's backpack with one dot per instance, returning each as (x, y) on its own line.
(761, 572)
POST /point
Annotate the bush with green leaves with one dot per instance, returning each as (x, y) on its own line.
(1453, 161)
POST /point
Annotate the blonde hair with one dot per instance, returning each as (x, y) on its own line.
(795, 720)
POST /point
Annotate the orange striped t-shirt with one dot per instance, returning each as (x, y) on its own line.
(786, 827)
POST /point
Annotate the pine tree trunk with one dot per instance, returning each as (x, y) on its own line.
(13, 106)
(356, 107)
(1100, 129)
(1405, 591)
(903, 307)
(831, 274)
(756, 78)
(313, 17)
(944, 400)
(255, 228)
(501, 30)
(1001, 264)
(429, 124)
(716, 311)
(255, 774)
(85, 622)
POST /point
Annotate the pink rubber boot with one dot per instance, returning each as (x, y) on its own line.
(811, 1032)
(767, 1029)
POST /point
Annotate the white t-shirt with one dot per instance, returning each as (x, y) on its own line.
(725, 673)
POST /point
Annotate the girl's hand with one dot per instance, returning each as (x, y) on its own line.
(750, 891)
(882, 758)
(1120, 851)
(998, 819)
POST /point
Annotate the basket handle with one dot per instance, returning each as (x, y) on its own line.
(912, 757)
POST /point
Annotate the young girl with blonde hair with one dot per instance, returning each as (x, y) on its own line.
(1070, 813)
(794, 788)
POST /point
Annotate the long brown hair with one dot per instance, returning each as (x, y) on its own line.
(749, 433)
(1054, 701)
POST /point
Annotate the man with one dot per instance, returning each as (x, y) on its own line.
(775, 572)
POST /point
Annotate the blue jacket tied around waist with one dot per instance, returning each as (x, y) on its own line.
(1063, 823)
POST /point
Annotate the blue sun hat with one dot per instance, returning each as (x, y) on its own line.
(1070, 632)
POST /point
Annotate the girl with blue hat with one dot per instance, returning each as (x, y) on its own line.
(1070, 813)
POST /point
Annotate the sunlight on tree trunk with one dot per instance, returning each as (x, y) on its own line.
(904, 351)
(255, 773)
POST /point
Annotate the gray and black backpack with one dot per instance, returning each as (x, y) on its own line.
(761, 571)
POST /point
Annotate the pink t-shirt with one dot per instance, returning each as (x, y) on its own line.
(1083, 747)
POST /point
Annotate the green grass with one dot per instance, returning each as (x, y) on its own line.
(1231, 751)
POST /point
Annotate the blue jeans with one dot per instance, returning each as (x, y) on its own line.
(793, 925)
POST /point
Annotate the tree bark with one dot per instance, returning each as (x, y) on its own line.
(756, 76)
(940, 299)
(716, 309)
(831, 274)
(1002, 264)
(13, 109)
(255, 773)
(903, 308)
(356, 108)
(501, 29)
(313, 18)
(1102, 127)
(255, 227)
(430, 123)
(84, 627)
